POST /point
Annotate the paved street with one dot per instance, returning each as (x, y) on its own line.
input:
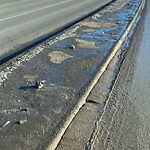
(25, 21)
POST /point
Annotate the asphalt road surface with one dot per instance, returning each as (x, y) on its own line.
(23, 21)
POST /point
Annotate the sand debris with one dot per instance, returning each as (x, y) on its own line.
(57, 57)
(86, 44)
(97, 25)
(30, 78)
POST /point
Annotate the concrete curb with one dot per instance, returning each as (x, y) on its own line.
(53, 145)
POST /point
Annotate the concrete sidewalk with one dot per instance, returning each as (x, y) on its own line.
(37, 118)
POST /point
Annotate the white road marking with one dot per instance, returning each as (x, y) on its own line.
(34, 10)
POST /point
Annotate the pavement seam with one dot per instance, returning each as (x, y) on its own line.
(91, 142)
(54, 143)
